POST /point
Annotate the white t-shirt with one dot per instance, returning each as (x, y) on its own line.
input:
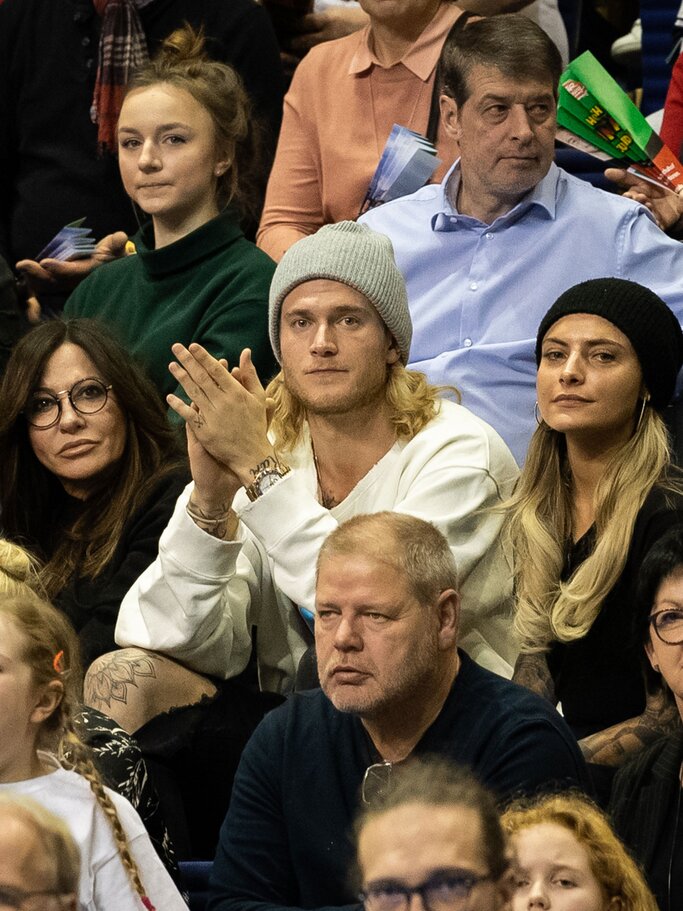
(104, 883)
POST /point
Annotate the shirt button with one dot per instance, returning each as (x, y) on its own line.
(473, 286)
(85, 41)
(467, 343)
(489, 236)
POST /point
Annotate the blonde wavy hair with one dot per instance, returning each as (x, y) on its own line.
(412, 401)
(538, 525)
(613, 867)
(50, 648)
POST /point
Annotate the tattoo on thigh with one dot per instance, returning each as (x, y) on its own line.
(114, 675)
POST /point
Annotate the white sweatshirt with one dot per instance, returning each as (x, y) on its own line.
(200, 599)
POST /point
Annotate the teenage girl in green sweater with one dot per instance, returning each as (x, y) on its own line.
(188, 156)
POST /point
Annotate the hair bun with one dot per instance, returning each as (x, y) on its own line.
(183, 45)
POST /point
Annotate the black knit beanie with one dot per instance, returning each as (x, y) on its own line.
(645, 320)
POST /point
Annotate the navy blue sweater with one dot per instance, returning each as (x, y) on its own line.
(286, 839)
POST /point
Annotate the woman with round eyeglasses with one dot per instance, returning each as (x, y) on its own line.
(567, 858)
(89, 470)
(647, 796)
(597, 491)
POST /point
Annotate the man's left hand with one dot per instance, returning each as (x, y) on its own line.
(229, 417)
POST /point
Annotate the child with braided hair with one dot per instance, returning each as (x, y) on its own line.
(41, 756)
(116, 753)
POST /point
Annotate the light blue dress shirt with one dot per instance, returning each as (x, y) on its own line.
(478, 292)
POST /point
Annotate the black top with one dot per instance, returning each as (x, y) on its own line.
(286, 841)
(92, 605)
(119, 761)
(666, 872)
(50, 173)
(645, 807)
(599, 678)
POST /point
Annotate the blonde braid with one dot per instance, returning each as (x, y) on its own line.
(74, 754)
(50, 649)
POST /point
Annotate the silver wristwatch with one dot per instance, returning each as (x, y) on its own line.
(265, 479)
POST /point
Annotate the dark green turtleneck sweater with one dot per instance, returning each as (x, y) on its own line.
(209, 287)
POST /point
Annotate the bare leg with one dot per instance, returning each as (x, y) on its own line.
(132, 686)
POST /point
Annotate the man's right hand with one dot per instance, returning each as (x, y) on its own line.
(54, 274)
(229, 414)
(215, 485)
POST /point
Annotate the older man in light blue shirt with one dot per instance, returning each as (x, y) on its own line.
(485, 253)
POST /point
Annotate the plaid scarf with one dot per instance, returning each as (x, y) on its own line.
(123, 48)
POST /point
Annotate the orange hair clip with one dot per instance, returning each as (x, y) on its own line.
(57, 662)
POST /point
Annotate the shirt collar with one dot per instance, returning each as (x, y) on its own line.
(420, 58)
(543, 196)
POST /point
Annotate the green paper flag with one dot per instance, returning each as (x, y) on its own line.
(595, 109)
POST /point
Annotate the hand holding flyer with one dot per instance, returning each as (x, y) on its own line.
(73, 241)
(596, 116)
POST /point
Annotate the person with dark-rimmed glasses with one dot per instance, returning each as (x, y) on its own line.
(394, 687)
(89, 470)
(646, 803)
(436, 834)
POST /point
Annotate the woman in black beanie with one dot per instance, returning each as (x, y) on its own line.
(597, 491)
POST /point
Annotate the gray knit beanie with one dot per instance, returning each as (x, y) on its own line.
(356, 256)
(641, 315)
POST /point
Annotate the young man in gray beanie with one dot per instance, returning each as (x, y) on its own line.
(352, 432)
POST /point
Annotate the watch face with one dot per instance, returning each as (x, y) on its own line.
(265, 480)
(269, 480)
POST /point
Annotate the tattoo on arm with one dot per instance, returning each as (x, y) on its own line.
(111, 678)
(531, 671)
(615, 744)
(267, 463)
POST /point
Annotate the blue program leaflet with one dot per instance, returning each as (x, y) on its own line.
(73, 241)
(407, 163)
